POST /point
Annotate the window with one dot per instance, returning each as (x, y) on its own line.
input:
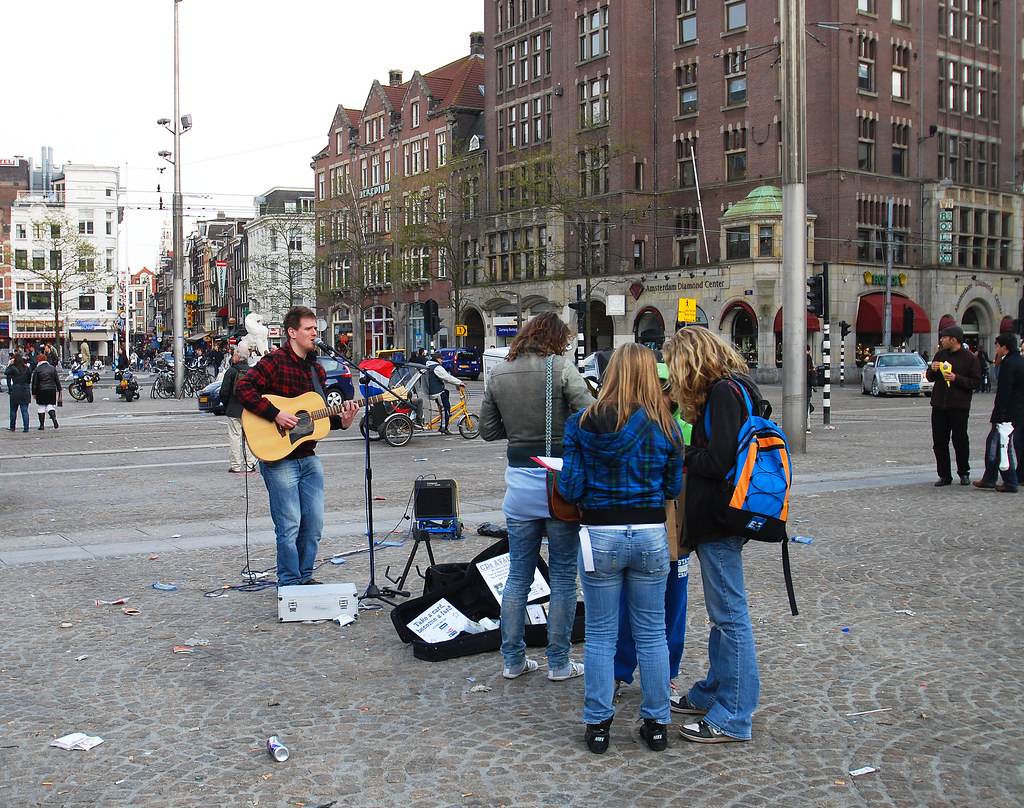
(866, 64)
(375, 169)
(638, 254)
(686, 21)
(684, 162)
(110, 223)
(295, 240)
(736, 90)
(900, 72)
(736, 15)
(736, 154)
(87, 302)
(38, 262)
(593, 170)
(899, 10)
(21, 259)
(765, 241)
(19, 231)
(54, 231)
(686, 85)
(594, 103)
(37, 300)
(442, 148)
(638, 175)
(900, 141)
(867, 6)
(866, 144)
(537, 60)
(86, 264)
(108, 260)
(737, 242)
(415, 109)
(85, 228)
(593, 34)
(687, 230)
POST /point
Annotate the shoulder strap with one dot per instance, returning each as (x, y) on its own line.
(547, 408)
(316, 382)
(741, 389)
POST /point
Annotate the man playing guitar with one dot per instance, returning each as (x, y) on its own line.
(295, 483)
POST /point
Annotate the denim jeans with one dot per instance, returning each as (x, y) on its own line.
(992, 471)
(14, 415)
(296, 489)
(731, 688)
(524, 539)
(637, 560)
(675, 624)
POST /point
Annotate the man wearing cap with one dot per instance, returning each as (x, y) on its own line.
(951, 403)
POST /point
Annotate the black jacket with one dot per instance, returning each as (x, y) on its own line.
(232, 406)
(709, 458)
(955, 396)
(45, 379)
(1009, 403)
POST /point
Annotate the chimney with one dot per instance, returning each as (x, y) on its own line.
(395, 78)
(476, 44)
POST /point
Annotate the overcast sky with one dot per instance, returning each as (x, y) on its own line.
(261, 81)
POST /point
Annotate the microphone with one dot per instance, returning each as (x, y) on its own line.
(323, 346)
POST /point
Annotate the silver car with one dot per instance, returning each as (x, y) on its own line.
(895, 374)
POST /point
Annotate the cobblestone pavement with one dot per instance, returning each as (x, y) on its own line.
(909, 599)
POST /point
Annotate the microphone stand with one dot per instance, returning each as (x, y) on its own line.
(373, 592)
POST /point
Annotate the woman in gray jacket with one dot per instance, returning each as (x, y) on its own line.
(515, 407)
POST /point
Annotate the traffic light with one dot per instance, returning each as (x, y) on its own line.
(908, 322)
(844, 329)
(431, 320)
(815, 296)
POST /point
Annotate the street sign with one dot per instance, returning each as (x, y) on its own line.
(461, 331)
(687, 310)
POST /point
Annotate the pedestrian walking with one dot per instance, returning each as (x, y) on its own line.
(622, 462)
(19, 388)
(1008, 408)
(241, 461)
(956, 375)
(515, 407)
(46, 389)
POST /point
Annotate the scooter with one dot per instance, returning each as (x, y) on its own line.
(127, 386)
(80, 382)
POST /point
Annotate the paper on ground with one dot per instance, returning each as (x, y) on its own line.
(77, 740)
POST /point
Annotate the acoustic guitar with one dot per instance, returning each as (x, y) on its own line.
(269, 441)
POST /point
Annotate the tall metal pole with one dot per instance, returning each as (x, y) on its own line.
(794, 225)
(176, 231)
(887, 336)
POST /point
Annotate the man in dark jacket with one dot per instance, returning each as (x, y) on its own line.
(233, 411)
(1008, 409)
(956, 375)
(45, 388)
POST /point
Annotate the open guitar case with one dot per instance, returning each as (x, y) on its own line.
(463, 586)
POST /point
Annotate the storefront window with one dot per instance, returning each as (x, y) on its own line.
(744, 337)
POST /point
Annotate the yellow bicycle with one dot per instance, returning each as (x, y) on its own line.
(468, 422)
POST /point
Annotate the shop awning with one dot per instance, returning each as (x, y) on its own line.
(736, 304)
(813, 324)
(946, 321)
(1006, 326)
(222, 311)
(197, 337)
(871, 314)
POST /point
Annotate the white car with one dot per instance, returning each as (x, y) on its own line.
(895, 374)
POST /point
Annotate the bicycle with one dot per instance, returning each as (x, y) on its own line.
(469, 422)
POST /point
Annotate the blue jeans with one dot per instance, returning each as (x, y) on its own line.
(296, 489)
(675, 624)
(731, 688)
(14, 415)
(636, 560)
(524, 539)
(992, 471)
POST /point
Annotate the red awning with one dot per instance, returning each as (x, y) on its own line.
(1006, 326)
(813, 324)
(946, 321)
(736, 304)
(223, 311)
(871, 314)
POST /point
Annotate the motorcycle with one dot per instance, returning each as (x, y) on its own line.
(127, 386)
(80, 382)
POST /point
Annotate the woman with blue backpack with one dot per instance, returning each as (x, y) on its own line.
(710, 381)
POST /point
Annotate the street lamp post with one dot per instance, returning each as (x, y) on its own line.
(519, 307)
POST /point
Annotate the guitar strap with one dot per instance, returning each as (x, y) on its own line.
(316, 382)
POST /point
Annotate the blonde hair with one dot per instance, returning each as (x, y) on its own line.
(696, 358)
(631, 382)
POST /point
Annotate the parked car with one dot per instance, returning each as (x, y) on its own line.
(895, 374)
(338, 390)
(463, 362)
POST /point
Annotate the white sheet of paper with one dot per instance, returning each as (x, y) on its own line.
(439, 623)
(587, 550)
(494, 571)
(535, 615)
(553, 463)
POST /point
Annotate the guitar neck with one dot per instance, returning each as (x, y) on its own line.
(328, 412)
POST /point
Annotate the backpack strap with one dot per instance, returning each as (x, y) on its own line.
(740, 388)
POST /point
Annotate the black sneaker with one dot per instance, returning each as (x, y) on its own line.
(597, 737)
(703, 732)
(965, 479)
(655, 734)
(943, 481)
(681, 704)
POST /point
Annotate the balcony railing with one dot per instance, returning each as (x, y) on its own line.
(52, 198)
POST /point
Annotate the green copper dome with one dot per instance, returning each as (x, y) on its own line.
(763, 201)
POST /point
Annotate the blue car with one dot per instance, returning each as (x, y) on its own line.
(339, 387)
(461, 362)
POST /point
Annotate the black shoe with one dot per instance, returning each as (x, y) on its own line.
(703, 732)
(597, 737)
(681, 704)
(655, 734)
(444, 432)
(311, 582)
(943, 481)
(965, 479)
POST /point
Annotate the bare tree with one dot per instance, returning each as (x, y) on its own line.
(282, 267)
(68, 263)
